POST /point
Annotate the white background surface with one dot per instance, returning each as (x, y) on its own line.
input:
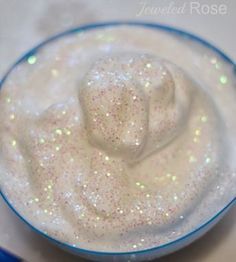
(24, 23)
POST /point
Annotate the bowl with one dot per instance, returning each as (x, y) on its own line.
(151, 253)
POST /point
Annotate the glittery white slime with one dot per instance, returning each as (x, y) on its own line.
(112, 142)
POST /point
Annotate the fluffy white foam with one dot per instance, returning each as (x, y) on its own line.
(108, 146)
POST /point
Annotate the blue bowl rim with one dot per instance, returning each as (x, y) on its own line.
(88, 27)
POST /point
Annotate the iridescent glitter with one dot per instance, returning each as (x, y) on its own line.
(32, 60)
(204, 119)
(107, 145)
(223, 79)
(12, 116)
(13, 143)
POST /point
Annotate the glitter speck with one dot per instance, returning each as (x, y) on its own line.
(108, 174)
(197, 132)
(41, 141)
(58, 131)
(107, 158)
(192, 159)
(97, 218)
(12, 116)
(134, 97)
(137, 183)
(54, 72)
(13, 142)
(148, 65)
(107, 114)
(147, 84)
(167, 214)
(181, 217)
(175, 198)
(213, 60)
(147, 195)
(208, 160)
(68, 132)
(32, 60)
(223, 79)
(134, 246)
(57, 148)
(174, 178)
(8, 100)
(204, 119)
(63, 112)
(36, 199)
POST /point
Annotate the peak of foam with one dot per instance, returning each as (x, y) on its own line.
(134, 103)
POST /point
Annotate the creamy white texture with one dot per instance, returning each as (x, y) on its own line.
(134, 104)
(113, 143)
